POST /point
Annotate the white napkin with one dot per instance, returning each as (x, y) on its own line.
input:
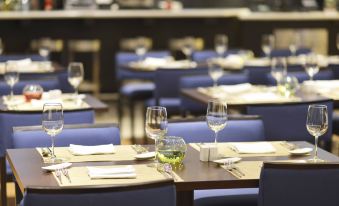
(113, 172)
(237, 88)
(253, 148)
(40, 102)
(91, 150)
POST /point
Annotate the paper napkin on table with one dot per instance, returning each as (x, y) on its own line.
(91, 150)
(253, 148)
(112, 172)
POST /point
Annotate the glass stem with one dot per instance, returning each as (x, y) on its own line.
(156, 150)
(216, 137)
(316, 147)
(215, 83)
(53, 154)
(76, 91)
(311, 77)
(12, 93)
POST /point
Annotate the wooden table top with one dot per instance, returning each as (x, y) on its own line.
(26, 165)
(92, 101)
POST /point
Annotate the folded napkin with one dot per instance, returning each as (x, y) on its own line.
(236, 88)
(91, 150)
(253, 148)
(112, 172)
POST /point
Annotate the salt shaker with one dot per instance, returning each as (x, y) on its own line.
(214, 155)
(204, 153)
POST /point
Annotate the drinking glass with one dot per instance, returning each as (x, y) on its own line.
(214, 71)
(75, 75)
(141, 48)
(52, 123)
(188, 47)
(317, 124)
(311, 65)
(11, 75)
(156, 124)
(278, 68)
(221, 44)
(267, 44)
(216, 116)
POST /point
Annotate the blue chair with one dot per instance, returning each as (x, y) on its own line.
(167, 90)
(258, 74)
(287, 52)
(134, 91)
(151, 194)
(47, 84)
(189, 106)
(284, 184)
(288, 121)
(34, 136)
(302, 76)
(33, 57)
(239, 128)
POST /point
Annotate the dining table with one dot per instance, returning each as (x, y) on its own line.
(193, 175)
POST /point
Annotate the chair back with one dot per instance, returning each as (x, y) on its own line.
(288, 121)
(202, 56)
(294, 184)
(166, 81)
(238, 129)
(123, 58)
(8, 120)
(33, 57)
(258, 74)
(150, 194)
(83, 134)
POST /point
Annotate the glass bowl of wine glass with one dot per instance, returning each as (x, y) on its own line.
(171, 150)
(32, 91)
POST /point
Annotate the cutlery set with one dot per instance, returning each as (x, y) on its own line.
(60, 172)
(229, 165)
(139, 148)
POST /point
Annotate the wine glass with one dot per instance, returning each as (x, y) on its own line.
(278, 68)
(156, 124)
(267, 44)
(311, 65)
(221, 44)
(141, 48)
(317, 125)
(11, 75)
(294, 44)
(216, 116)
(215, 71)
(75, 75)
(188, 47)
(52, 123)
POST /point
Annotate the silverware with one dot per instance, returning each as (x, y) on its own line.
(58, 174)
(233, 169)
(66, 174)
(139, 148)
(289, 146)
(166, 169)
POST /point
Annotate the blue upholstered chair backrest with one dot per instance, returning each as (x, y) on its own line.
(167, 81)
(123, 58)
(150, 195)
(202, 56)
(30, 137)
(46, 83)
(33, 57)
(299, 184)
(288, 121)
(258, 74)
(8, 120)
(287, 52)
(238, 129)
(302, 76)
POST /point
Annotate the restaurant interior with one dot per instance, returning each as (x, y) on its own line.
(169, 102)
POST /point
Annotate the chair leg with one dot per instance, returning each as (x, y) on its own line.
(3, 181)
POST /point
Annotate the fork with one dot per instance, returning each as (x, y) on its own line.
(66, 174)
(233, 169)
(58, 174)
(139, 149)
(289, 146)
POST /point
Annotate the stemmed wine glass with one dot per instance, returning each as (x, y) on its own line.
(294, 44)
(221, 44)
(278, 68)
(317, 124)
(156, 124)
(52, 123)
(188, 47)
(311, 65)
(75, 75)
(141, 48)
(267, 44)
(11, 75)
(216, 116)
(215, 71)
